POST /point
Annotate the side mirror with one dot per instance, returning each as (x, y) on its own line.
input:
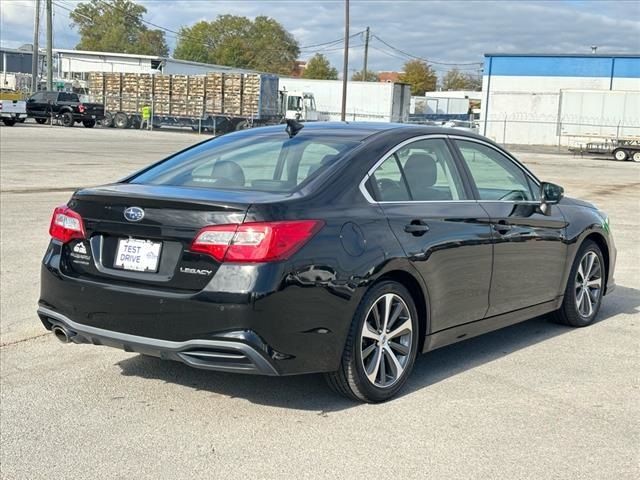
(550, 193)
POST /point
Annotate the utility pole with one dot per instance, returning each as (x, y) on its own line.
(49, 45)
(366, 55)
(35, 52)
(345, 65)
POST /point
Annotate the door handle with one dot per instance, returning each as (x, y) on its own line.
(417, 228)
(502, 228)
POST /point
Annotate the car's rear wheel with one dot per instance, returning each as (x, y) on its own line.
(636, 156)
(381, 347)
(67, 119)
(42, 121)
(89, 123)
(583, 294)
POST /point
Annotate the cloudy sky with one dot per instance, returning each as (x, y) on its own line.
(442, 31)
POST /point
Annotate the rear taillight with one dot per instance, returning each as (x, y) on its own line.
(81, 108)
(255, 242)
(66, 224)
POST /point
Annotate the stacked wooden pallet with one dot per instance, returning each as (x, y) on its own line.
(213, 95)
(251, 95)
(233, 94)
(162, 94)
(145, 89)
(179, 95)
(129, 92)
(112, 92)
(96, 83)
(195, 97)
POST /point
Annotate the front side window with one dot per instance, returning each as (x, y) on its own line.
(496, 176)
(269, 162)
(421, 171)
(294, 103)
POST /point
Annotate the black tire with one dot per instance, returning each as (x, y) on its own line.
(620, 154)
(9, 122)
(89, 123)
(22, 119)
(351, 379)
(636, 156)
(242, 125)
(107, 121)
(569, 313)
(42, 121)
(67, 119)
(121, 120)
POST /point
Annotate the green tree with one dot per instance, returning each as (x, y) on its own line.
(116, 26)
(262, 44)
(371, 77)
(454, 79)
(420, 76)
(319, 68)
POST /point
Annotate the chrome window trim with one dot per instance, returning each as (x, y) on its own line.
(363, 188)
(513, 159)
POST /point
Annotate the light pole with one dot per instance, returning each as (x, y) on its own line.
(345, 66)
(35, 54)
(49, 46)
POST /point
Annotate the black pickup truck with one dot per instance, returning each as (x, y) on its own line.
(65, 106)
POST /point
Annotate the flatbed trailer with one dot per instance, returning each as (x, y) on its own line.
(621, 149)
(216, 102)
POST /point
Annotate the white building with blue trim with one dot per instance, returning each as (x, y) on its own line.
(540, 99)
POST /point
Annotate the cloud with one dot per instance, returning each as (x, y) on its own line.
(446, 31)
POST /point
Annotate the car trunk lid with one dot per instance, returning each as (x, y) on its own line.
(160, 224)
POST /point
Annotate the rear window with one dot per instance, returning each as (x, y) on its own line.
(67, 97)
(268, 162)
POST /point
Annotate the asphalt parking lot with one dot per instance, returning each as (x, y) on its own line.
(535, 400)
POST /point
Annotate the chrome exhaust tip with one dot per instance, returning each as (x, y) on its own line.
(61, 334)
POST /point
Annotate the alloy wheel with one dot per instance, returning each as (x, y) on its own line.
(386, 340)
(588, 284)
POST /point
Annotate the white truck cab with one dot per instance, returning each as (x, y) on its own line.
(299, 106)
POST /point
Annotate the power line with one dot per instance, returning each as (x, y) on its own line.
(422, 58)
(338, 40)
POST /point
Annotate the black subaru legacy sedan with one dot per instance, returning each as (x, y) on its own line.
(329, 247)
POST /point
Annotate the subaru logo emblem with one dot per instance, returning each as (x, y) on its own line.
(134, 214)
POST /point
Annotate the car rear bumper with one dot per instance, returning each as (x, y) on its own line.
(295, 328)
(223, 355)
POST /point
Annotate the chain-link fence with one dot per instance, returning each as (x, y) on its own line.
(560, 134)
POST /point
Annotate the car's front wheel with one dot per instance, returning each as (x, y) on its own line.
(381, 347)
(585, 287)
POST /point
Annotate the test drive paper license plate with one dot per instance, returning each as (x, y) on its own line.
(138, 255)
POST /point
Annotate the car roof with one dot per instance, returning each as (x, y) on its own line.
(361, 130)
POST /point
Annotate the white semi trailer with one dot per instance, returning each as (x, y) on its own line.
(610, 119)
(366, 101)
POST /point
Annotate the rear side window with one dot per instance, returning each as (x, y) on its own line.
(421, 171)
(268, 162)
(67, 97)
